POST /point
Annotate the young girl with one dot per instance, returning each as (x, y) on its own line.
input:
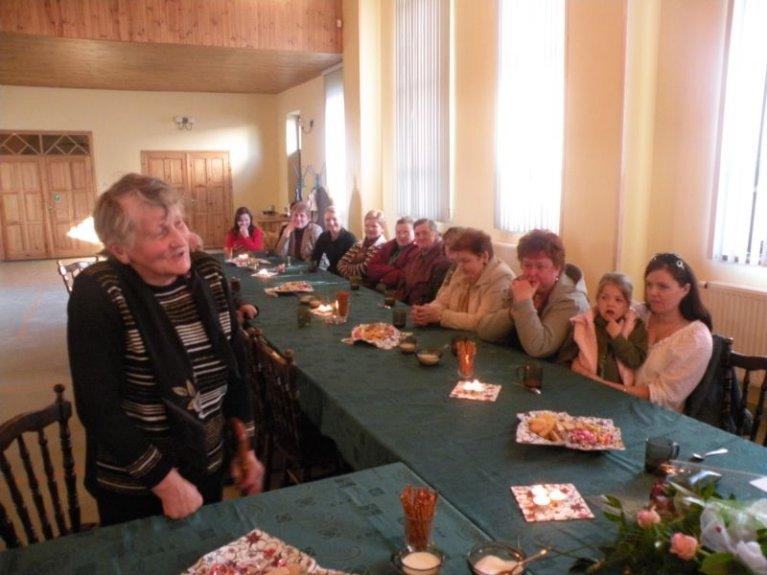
(609, 341)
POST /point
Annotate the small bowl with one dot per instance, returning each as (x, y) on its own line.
(502, 552)
(397, 559)
(408, 345)
(429, 357)
(314, 302)
(306, 299)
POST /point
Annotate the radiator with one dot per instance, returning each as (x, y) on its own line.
(739, 313)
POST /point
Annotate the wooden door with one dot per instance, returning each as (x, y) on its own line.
(22, 211)
(209, 188)
(204, 181)
(69, 201)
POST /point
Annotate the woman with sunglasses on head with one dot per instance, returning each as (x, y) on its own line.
(679, 334)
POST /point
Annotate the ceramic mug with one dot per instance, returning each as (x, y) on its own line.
(658, 451)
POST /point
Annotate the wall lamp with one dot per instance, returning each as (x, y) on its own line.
(184, 122)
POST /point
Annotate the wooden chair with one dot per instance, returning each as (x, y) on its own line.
(262, 419)
(12, 431)
(295, 438)
(69, 272)
(750, 364)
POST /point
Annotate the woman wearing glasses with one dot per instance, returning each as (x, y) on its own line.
(679, 334)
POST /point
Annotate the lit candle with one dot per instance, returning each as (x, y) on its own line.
(325, 308)
(474, 386)
(421, 563)
(493, 565)
(539, 490)
(557, 496)
(541, 500)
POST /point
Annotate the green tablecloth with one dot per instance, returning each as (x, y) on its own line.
(382, 406)
(353, 523)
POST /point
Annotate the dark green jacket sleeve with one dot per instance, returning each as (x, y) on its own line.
(632, 351)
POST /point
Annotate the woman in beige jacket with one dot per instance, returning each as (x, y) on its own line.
(477, 287)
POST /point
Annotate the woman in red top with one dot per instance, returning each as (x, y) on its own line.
(244, 236)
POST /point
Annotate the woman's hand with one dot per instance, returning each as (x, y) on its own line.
(179, 497)
(426, 314)
(245, 231)
(522, 289)
(248, 473)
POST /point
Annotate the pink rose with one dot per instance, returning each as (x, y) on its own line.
(646, 518)
(684, 546)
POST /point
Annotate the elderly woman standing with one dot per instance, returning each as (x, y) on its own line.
(425, 272)
(679, 334)
(543, 299)
(355, 261)
(299, 236)
(333, 243)
(477, 287)
(156, 361)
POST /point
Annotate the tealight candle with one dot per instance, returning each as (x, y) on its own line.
(325, 308)
(557, 496)
(474, 385)
(421, 563)
(539, 490)
(541, 500)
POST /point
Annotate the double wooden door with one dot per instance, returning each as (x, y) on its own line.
(204, 181)
(44, 198)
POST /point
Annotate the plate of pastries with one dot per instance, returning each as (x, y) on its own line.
(574, 432)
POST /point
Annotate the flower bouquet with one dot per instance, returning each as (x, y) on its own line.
(683, 531)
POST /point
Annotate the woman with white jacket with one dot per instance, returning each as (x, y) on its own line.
(477, 287)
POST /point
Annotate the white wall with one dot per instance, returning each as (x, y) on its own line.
(124, 123)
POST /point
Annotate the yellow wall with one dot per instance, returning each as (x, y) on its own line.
(309, 100)
(687, 101)
(125, 123)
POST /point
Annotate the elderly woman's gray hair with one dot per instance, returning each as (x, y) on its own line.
(112, 223)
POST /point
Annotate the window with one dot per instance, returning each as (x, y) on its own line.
(741, 208)
(529, 139)
(422, 116)
(335, 142)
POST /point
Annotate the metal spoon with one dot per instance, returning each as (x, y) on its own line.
(699, 457)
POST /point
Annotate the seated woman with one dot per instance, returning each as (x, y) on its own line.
(679, 334)
(425, 272)
(333, 243)
(478, 286)
(543, 299)
(355, 261)
(244, 236)
(451, 234)
(386, 265)
(299, 236)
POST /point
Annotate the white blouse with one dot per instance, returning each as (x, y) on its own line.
(675, 365)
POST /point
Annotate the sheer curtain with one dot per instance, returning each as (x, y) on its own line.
(741, 207)
(422, 61)
(335, 143)
(529, 138)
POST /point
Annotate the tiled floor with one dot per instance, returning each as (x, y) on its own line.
(33, 357)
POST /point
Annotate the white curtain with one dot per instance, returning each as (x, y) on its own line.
(422, 113)
(529, 138)
(335, 143)
(741, 208)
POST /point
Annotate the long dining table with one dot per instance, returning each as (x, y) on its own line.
(394, 422)
(381, 406)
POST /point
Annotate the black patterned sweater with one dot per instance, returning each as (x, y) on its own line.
(130, 447)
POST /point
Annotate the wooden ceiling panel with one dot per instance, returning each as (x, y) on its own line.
(28, 60)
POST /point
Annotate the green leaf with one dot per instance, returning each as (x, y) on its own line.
(613, 502)
(717, 564)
